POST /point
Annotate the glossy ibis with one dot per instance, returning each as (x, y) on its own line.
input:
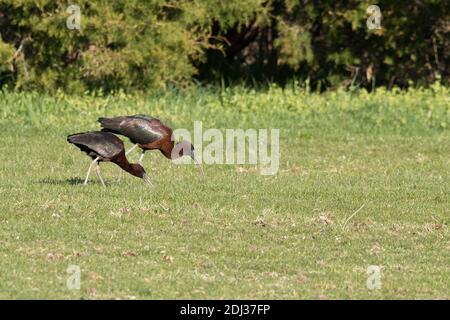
(105, 147)
(148, 133)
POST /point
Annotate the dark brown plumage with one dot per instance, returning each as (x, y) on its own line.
(148, 133)
(105, 147)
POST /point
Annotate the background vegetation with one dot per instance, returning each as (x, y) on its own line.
(142, 45)
(363, 176)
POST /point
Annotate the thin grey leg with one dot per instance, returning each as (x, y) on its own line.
(97, 170)
(141, 157)
(131, 149)
(89, 170)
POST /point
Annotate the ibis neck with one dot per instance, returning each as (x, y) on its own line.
(128, 167)
(166, 150)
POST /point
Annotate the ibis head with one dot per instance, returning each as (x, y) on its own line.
(139, 171)
(185, 148)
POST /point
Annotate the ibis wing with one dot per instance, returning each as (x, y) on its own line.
(140, 130)
(104, 144)
(144, 117)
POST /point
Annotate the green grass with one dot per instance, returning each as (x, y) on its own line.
(237, 234)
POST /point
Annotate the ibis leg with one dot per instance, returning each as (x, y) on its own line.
(89, 170)
(141, 157)
(131, 149)
(97, 170)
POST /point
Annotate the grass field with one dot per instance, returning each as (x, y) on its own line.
(363, 180)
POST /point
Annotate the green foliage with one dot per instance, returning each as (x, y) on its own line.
(398, 111)
(329, 44)
(153, 45)
(131, 44)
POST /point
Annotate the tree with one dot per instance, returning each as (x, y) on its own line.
(149, 45)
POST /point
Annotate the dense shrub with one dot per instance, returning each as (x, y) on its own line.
(155, 44)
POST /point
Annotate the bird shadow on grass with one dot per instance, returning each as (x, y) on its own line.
(55, 181)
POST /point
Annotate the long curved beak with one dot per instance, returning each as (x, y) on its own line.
(146, 179)
(199, 165)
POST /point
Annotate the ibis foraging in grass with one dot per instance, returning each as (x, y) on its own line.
(148, 133)
(105, 147)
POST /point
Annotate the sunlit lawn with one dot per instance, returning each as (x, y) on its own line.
(363, 180)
